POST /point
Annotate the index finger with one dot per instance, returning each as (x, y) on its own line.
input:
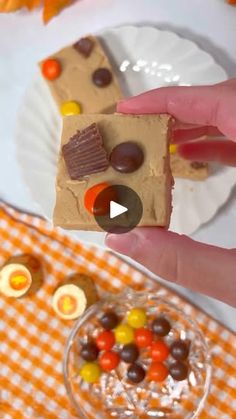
(204, 105)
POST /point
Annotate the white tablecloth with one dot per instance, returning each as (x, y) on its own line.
(24, 40)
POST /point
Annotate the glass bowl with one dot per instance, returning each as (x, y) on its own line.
(114, 395)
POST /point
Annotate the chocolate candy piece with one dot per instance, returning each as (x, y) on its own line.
(129, 353)
(135, 373)
(179, 350)
(126, 157)
(109, 320)
(161, 326)
(84, 46)
(198, 165)
(84, 153)
(89, 351)
(173, 148)
(178, 371)
(102, 77)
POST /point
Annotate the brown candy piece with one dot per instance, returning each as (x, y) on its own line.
(198, 165)
(178, 370)
(84, 153)
(161, 326)
(109, 320)
(89, 351)
(136, 373)
(102, 77)
(84, 46)
(129, 353)
(179, 350)
(126, 157)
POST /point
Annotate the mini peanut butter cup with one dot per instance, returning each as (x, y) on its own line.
(85, 154)
(84, 46)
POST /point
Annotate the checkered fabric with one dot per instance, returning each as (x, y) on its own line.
(32, 338)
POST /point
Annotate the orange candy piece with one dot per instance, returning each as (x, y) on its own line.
(157, 372)
(91, 195)
(159, 351)
(51, 69)
(143, 337)
(109, 360)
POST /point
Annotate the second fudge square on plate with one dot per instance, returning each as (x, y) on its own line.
(152, 180)
(84, 78)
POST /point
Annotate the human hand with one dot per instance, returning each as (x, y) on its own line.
(211, 111)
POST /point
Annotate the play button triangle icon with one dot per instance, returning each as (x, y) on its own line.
(121, 207)
(116, 209)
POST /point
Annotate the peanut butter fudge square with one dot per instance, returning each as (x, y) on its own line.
(187, 169)
(81, 79)
(129, 150)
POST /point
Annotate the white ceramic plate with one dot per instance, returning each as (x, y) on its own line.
(144, 58)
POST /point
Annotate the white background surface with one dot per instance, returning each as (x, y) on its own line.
(24, 40)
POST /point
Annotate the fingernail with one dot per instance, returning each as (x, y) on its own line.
(123, 243)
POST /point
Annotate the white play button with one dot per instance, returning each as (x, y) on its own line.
(116, 209)
(119, 209)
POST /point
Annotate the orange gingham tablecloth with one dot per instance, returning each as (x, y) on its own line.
(32, 338)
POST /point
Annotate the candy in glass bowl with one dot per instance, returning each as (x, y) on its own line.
(135, 355)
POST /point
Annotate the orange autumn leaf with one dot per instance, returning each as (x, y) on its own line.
(233, 2)
(53, 7)
(11, 5)
(31, 4)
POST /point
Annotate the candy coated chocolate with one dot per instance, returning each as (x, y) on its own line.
(124, 334)
(161, 326)
(129, 353)
(102, 77)
(179, 350)
(126, 157)
(70, 108)
(89, 351)
(173, 148)
(135, 373)
(51, 69)
(90, 372)
(84, 46)
(109, 320)
(136, 317)
(178, 370)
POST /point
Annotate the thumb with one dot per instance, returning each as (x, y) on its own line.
(206, 269)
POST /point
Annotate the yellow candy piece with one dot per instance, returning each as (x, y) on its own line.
(90, 372)
(173, 148)
(137, 318)
(124, 334)
(70, 108)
